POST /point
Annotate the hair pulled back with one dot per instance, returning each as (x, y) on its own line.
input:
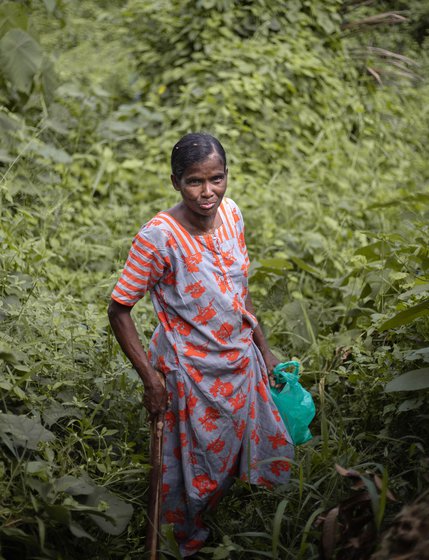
(193, 148)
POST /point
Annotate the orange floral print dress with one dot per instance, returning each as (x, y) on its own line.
(222, 422)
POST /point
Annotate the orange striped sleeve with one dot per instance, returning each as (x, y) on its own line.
(146, 263)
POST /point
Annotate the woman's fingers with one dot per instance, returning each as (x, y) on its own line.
(155, 398)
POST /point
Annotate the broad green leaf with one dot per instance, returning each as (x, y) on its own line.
(58, 410)
(74, 486)
(347, 338)
(59, 513)
(5, 157)
(78, 531)
(410, 404)
(414, 380)
(306, 267)
(19, 393)
(7, 354)
(114, 129)
(50, 5)
(118, 510)
(44, 489)
(168, 535)
(24, 431)
(8, 123)
(52, 153)
(48, 79)
(276, 264)
(18, 535)
(6, 385)
(418, 289)
(418, 354)
(406, 316)
(62, 514)
(374, 251)
(404, 199)
(21, 58)
(37, 467)
(12, 15)
(132, 164)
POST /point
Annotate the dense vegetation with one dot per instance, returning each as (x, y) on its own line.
(324, 116)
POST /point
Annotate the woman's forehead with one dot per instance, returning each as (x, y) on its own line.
(212, 164)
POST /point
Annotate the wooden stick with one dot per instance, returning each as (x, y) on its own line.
(155, 486)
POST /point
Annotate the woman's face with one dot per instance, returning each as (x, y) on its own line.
(203, 185)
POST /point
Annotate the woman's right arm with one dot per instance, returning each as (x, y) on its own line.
(155, 393)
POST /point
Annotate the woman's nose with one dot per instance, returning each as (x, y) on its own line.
(207, 189)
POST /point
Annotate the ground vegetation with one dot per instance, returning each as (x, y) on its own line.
(323, 109)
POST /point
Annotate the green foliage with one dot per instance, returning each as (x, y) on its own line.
(331, 173)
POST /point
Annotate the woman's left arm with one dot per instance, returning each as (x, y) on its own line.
(270, 359)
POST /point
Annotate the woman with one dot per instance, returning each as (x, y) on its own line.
(208, 347)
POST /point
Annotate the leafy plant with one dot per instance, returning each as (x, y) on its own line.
(331, 173)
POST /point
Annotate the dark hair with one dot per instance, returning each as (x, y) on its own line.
(193, 148)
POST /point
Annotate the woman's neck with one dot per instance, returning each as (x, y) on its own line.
(193, 223)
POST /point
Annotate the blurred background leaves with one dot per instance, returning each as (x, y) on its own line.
(323, 111)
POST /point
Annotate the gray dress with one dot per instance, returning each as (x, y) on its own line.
(222, 422)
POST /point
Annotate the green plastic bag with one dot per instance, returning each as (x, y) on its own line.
(294, 403)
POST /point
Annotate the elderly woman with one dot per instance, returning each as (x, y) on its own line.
(208, 362)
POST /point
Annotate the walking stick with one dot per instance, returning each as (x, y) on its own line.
(155, 486)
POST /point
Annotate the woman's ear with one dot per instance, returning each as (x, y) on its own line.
(175, 182)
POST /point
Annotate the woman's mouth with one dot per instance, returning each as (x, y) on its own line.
(207, 205)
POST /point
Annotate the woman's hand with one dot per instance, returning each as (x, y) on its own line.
(155, 398)
(269, 358)
(271, 361)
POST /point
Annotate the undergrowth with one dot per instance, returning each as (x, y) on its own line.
(331, 173)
